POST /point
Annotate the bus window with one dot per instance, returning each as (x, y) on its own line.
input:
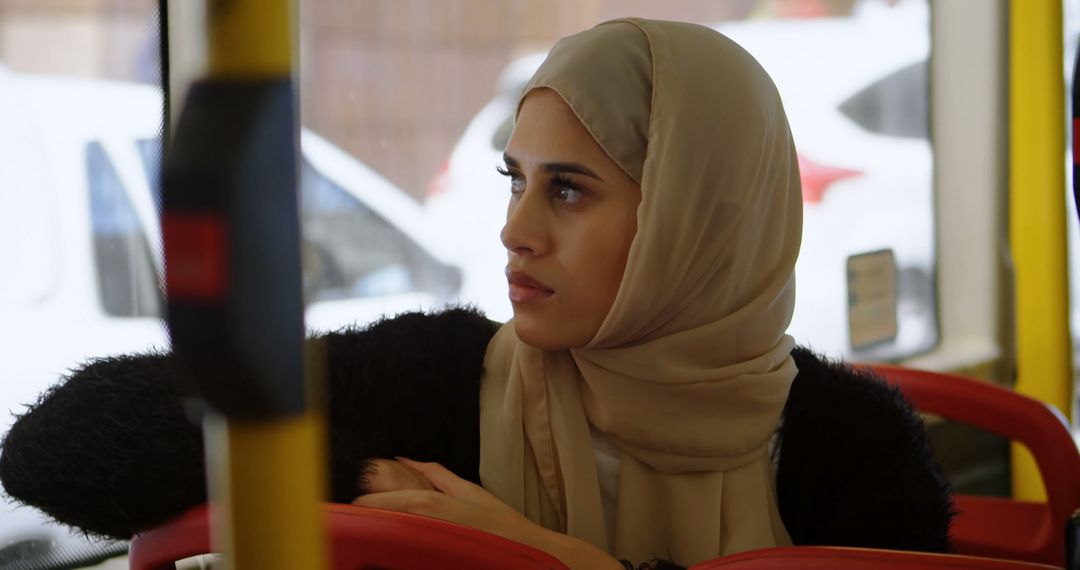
(390, 262)
(427, 99)
(894, 106)
(127, 283)
(360, 239)
(78, 80)
(405, 108)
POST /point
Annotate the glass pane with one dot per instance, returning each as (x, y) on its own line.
(425, 93)
(896, 105)
(388, 263)
(355, 245)
(406, 107)
(78, 86)
(127, 279)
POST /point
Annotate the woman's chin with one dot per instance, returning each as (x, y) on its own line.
(545, 334)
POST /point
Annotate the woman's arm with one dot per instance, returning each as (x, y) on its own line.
(111, 449)
(439, 493)
(855, 464)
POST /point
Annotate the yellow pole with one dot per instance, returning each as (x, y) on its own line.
(1037, 118)
(267, 481)
(268, 475)
(249, 38)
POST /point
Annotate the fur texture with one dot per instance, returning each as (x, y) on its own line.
(111, 451)
(855, 466)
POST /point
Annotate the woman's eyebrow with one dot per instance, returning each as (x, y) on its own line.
(572, 167)
(557, 167)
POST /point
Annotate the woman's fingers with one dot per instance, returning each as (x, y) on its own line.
(444, 480)
(429, 503)
(385, 475)
(455, 500)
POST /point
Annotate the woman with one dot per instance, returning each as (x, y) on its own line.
(653, 227)
(627, 410)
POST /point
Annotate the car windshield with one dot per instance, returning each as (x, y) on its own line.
(334, 222)
(896, 105)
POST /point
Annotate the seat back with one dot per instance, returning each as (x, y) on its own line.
(1004, 528)
(359, 538)
(836, 558)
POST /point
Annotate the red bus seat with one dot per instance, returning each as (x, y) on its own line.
(836, 558)
(996, 527)
(363, 538)
(359, 538)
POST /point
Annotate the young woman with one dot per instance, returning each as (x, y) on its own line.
(627, 410)
(654, 223)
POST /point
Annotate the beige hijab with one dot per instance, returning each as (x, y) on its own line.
(690, 370)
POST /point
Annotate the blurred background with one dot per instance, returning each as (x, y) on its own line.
(406, 106)
(393, 82)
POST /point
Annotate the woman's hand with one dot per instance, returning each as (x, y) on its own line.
(432, 490)
(385, 475)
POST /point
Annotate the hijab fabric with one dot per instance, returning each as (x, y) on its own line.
(690, 370)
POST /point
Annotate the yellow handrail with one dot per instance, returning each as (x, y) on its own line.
(267, 475)
(1037, 216)
(250, 38)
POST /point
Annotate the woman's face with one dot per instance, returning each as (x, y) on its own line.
(572, 217)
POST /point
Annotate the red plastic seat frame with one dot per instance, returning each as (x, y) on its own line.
(832, 558)
(372, 538)
(995, 527)
(359, 537)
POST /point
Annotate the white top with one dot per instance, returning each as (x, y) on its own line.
(608, 459)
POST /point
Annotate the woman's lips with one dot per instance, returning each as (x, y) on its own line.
(525, 289)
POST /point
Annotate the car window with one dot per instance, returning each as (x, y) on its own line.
(351, 251)
(150, 152)
(896, 105)
(126, 279)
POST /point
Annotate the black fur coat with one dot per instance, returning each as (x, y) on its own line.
(113, 449)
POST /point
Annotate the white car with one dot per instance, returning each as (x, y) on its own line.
(81, 254)
(856, 94)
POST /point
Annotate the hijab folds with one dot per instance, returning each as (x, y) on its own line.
(689, 372)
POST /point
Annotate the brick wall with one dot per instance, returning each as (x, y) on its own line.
(394, 82)
(94, 38)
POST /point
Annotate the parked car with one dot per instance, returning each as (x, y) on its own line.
(81, 250)
(860, 121)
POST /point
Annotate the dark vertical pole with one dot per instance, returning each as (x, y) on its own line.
(163, 53)
(1076, 132)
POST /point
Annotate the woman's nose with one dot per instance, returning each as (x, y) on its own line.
(524, 232)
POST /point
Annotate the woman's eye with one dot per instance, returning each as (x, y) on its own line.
(517, 185)
(568, 195)
(517, 182)
(566, 191)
